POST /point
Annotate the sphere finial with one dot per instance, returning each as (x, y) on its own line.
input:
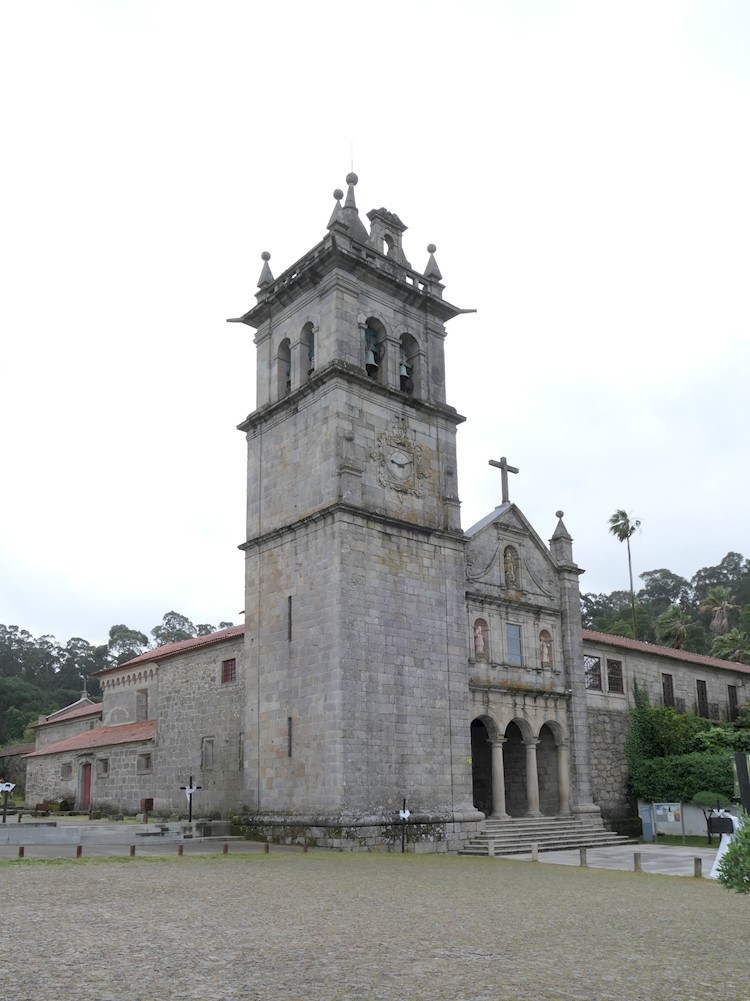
(431, 248)
(351, 178)
(559, 514)
(265, 256)
(338, 194)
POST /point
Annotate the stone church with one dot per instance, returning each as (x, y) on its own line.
(389, 660)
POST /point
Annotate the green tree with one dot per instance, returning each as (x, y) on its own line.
(622, 526)
(125, 643)
(734, 867)
(718, 602)
(663, 589)
(174, 628)
(734, 645)
(672, 628)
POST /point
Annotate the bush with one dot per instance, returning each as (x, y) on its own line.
(681, 777)
(734, 868)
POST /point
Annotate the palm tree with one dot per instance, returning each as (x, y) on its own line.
(718, 602)
(672, 627)
(734, 645)
(622, 526)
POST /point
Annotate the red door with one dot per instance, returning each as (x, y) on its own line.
(86, 788)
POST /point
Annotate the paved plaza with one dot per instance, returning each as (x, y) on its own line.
(363, 927)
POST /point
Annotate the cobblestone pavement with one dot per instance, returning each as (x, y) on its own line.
(360, 927)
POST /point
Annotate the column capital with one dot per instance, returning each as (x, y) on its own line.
(531, 741)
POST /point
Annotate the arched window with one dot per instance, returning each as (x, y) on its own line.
(308, 349)
(284, 368)
(481, 640)
(408, 368)
(545, 648)
(375, 349)
(511, 567)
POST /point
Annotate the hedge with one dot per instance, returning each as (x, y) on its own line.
(678, 778)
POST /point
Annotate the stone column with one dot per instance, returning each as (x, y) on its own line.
(563, 776)
(532, 779)
(498, 779)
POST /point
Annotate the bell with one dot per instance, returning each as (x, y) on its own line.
(370, 359)
(403, 370)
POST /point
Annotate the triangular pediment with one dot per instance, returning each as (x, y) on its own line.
(505, 557)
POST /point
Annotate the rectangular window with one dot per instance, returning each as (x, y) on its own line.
(667, 691)
(513, 639)
(289, 619)
(102, 767)
(702, 692)
(592, 670)
(615, 682)
(144, 764)
(241, 752)
(141, 705)
(289, 736)
(228, 671)
(733, 707)
(207, 753)
(66, 770)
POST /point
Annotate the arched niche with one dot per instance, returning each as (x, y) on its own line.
(481, 639)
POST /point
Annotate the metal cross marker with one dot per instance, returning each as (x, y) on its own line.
(504, 468)
(189, 790)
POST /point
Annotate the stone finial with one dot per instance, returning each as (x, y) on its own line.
(356, 227)
(432, 270)
(265, 276)
(337, 216)
(561, 543)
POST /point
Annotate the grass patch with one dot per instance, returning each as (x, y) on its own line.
(691, 840)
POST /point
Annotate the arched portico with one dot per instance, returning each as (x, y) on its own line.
(520, 769)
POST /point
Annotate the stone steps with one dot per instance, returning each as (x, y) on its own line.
(516, 836)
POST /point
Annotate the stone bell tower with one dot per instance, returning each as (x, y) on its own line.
(355, 613)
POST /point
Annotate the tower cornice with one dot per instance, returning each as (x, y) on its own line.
(361, 261)
(352, 374)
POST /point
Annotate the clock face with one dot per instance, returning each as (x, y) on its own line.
(400, 460)
(400, 464)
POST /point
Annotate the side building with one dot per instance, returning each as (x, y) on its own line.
(172, 713)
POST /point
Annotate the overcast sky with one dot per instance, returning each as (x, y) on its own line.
(582, 167)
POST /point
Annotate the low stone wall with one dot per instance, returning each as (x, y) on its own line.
(423, 833)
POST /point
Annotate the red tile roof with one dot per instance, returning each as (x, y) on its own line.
(72, 712)
(184, 646)
(7, 752)
(101, 736)
(664, 651)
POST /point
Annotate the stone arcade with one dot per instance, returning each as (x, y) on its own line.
(386, 654)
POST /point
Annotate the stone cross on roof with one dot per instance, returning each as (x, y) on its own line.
(504, 468)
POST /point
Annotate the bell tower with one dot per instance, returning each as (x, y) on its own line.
(355, 620)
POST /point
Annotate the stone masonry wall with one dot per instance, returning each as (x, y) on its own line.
(609, 773)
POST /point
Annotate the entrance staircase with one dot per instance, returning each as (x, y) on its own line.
(516, 835)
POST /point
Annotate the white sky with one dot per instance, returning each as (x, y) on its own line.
(582, 167)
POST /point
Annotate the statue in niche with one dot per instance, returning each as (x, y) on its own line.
(481, 637)
(510, 566)
(545, 648)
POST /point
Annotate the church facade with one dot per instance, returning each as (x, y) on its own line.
(389, 660)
